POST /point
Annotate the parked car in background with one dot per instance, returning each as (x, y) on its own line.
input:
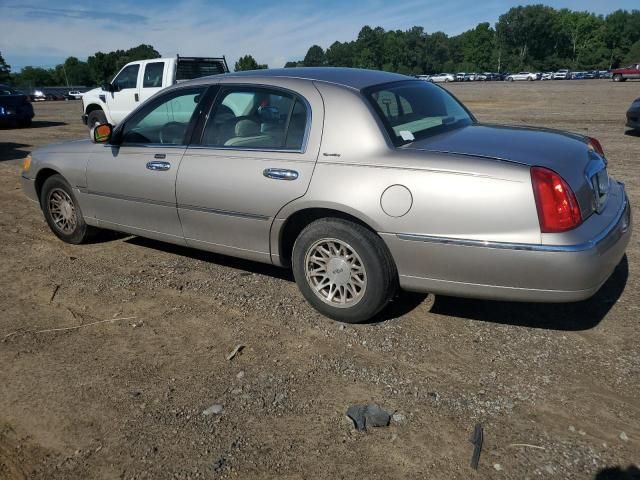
(632, 72)
(37, 96)
(471, 77)
(482, 77)
(546, 76)
(426, 78)
(563, 74)
(74, 95)
(460, 76)
(529, 76)
(633, 115)
(591, 74)
(578, 75)
(137, 81)
(443, 78)
(276, 166)
(15, 107)
(604, 74)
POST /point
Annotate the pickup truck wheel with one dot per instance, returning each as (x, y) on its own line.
(62, 212)
(343, 270)
(617, 77)
(96, 117)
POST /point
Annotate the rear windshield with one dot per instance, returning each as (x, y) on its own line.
(190, 68)
(411, 110)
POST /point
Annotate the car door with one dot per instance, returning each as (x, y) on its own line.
(131, 183)
(124, 97)
(256, 153)
(153, 76)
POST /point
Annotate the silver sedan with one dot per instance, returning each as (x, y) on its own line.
(360, 181)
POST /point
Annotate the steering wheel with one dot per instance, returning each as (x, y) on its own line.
(172, 133)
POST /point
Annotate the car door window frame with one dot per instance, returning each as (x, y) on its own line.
(205, 99)
(223, 90)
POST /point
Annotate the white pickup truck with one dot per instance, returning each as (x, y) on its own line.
(137, 81)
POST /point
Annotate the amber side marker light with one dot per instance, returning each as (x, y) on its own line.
(26, 163)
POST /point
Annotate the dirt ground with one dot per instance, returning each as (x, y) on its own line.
(124, 399)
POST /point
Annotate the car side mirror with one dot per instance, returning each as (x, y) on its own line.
(101, 133)
(108, 87)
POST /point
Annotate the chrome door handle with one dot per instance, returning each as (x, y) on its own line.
(161, 166)
(280, 174)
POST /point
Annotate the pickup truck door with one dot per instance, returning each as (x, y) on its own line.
(131, 184)
(257, 153)
(155, 76)
(124, 99)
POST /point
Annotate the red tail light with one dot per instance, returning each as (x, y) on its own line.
(558, 210)
(596, 145)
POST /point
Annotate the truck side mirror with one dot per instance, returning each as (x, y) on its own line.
(108, 87)
(101, 133)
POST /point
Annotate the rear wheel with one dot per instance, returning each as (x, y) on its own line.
(96, 117)
(62, 212)
(343, 270)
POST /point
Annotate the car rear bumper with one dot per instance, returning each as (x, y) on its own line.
(517, 272)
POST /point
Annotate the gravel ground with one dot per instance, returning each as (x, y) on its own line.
(125, 398)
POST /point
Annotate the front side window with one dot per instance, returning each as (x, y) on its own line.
(153, 75)
(127, 78)
(248, 117)
(412, 110)
(165, 121)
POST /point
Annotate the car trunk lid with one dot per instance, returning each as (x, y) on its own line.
(566, 153)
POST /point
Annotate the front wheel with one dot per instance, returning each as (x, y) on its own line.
(343, 270)
(617, 77)
(96, 117)
(62, 212)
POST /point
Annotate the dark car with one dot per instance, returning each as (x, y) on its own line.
(15, 107)
(633, 115)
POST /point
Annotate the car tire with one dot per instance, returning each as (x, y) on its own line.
(617, 77)
(25, 123)
(62, 211)
(96, 116)
(510, 79)
(334, 245)
(446, 80)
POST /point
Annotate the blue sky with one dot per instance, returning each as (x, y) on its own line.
(44, 33)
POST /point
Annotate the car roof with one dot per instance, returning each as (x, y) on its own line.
(357, 78)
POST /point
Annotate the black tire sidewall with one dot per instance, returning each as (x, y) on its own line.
(82, 230)
(379, 267)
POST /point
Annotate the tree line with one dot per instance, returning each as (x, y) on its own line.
(532, 37)
(99, 68)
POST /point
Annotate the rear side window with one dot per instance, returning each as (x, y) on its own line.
(256, 118)
(127, 78)
(153, 75)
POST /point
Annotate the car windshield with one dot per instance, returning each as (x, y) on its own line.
(412, 110)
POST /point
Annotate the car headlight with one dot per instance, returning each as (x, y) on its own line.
(26, 163)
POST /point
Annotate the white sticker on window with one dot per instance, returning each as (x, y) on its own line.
(407, 135)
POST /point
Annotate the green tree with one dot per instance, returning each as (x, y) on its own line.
(633, 55)
(248, 63)
(315, 57)
(5, 70)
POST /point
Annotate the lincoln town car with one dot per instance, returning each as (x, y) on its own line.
(362, 182)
